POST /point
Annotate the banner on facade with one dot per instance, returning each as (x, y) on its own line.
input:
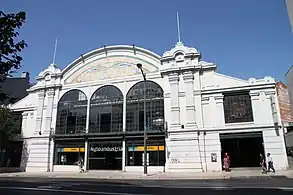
(286, 113)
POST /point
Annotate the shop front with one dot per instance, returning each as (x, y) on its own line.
(156, 156)
(67, 154)
(105, 155)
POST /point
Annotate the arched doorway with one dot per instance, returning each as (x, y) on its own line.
(106, 118)
(154, 124)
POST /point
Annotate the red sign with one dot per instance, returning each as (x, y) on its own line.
(284, 102)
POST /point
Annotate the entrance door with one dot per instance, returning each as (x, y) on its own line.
(243, 148)
(105, 156)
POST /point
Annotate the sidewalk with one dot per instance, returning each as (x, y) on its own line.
(160, 175)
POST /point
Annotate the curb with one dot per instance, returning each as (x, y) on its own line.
(145, 177)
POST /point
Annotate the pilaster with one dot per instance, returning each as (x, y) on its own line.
(24, 122)
(190, 107)
(40, 107)
(50, 100)
(174, 91)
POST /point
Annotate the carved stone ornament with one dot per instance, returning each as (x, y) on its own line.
(110, 67)
(188, 76)
(173, 77)
(51, 92)
(41, 93)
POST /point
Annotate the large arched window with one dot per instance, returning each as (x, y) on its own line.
(71, 113)
(154, 107)
(106, 111)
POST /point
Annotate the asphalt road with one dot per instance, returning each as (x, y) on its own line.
(56, 186)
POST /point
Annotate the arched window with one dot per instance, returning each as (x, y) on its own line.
(154, 107)
(71, 113)
(106, 110)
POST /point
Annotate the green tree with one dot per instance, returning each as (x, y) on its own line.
(9, 126)
(10, 60)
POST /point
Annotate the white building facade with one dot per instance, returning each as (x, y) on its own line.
(93, 109)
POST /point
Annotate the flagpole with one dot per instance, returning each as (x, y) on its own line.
(55, 50)
(178, 28)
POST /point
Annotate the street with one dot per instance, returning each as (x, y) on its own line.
(50, 186)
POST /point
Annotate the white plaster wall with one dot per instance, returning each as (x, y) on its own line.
(274, 144)
(183, 152)
(182, 103)
(210, 143)
(30, 123)
(213, 111)
(38, 155)
(261, 106)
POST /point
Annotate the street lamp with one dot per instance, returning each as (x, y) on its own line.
(145, 168)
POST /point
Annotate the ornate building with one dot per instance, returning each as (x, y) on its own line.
(94, 109)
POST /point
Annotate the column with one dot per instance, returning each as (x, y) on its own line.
(88, 111)
(48, 119)
(124, 129)
(39, 117)
(190, 107)
(86, 155)
(51, 161)
(86, 143)
(24, 123)
(24, 153)
(174, 91)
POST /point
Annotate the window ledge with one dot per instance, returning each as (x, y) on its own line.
(237, 124)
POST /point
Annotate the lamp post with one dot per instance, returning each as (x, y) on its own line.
(145, 168)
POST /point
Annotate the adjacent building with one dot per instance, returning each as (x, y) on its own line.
(289, 4)
(94, 109)
(12, 90)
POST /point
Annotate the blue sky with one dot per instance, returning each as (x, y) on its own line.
(248, 38)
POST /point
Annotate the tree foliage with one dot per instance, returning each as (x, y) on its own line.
(8, 123)
(10, 47)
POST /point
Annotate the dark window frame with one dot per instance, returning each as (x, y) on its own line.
(154, 107)
(238, 107)
(73, 104)
(107, 100)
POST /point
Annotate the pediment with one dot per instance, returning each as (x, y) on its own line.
(109, 67)
(216, 80)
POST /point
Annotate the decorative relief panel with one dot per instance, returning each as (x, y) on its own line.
(110, 67)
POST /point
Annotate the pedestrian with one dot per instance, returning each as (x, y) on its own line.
(80, 164)
(262, 163)
(270, 163)
(226, 162)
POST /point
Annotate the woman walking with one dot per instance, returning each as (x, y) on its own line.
(226, 162)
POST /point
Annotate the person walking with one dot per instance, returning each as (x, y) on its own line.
(262, 163)
(80, 164)
(226, 162)
(270, 163)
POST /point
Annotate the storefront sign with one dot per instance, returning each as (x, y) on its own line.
(213, 157)
(70, 149)
(107, 149)
(149, 148)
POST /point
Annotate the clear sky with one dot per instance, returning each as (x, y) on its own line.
(245, 38)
